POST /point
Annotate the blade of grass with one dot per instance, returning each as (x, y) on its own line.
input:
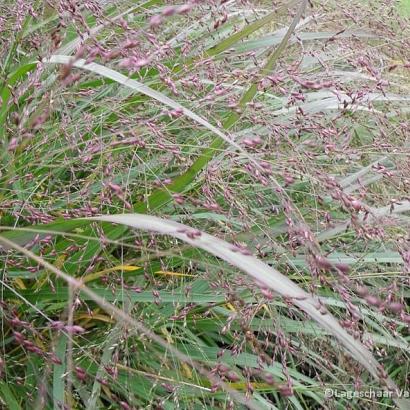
(248, 30)
(8, 396)
(22, 237)
(374, 213)
(160, 197)
(142, 88)
(59, 374)
(262, 273)
(112, 341)
(121, 316)
(71, 46)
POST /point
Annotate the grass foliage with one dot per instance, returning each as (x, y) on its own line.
(204, 205)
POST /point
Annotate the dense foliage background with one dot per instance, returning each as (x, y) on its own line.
(276, 131)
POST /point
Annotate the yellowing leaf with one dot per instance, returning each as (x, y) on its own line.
(97, 316)
(96, 275)
(20, 284)
(162, 272)
(255, 385)
(187, 370)
(230, 307)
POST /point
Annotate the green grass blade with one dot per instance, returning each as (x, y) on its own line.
(8, 397)
(262, 273)
(125, 318)
(141, 88)
(247, 31)
(59, 374)
(161, 197)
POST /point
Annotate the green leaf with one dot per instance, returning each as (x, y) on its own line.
(8, 396)
(59, 374)
(262, 273)
(22, 237)
(245, 32)
(141, 88)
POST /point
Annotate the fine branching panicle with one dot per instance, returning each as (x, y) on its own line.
(204, 204)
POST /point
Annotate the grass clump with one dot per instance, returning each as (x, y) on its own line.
(204, 205)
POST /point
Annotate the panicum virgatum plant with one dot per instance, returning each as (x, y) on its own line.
(204, 204)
